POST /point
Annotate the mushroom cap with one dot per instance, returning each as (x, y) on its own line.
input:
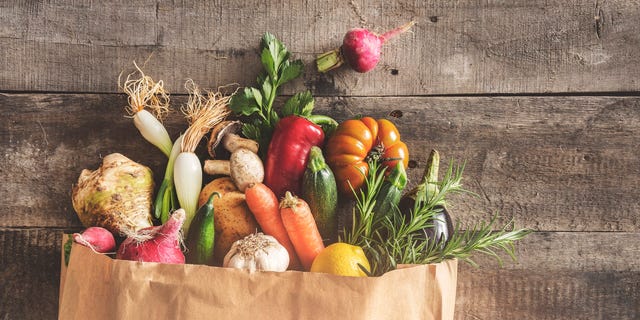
(219, 131)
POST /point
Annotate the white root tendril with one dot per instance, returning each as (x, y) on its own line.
(79, 238)
(150, 233)
(144, 93)
(203, 111)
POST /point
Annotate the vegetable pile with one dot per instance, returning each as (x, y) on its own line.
(274, 178)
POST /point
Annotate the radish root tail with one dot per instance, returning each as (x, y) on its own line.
(401, 29)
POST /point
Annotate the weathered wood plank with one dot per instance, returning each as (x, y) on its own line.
(551, 163)
(456, 47)
(29, 273)
(537, 294)
(575, 275)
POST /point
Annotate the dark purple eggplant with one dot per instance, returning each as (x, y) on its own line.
(419, 197)
(442, 227)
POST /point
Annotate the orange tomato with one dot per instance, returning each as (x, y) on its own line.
(355, 140)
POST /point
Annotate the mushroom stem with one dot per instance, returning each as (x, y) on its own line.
(213, 167)
(233, 142)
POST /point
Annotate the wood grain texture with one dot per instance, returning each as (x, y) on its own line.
(456, 47)
(551, 163)
(564, 165)
(560, 275)
(29, 273)
(538, 294)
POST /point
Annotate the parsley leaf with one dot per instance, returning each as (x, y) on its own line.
(300, 104)
(257, 103)
(290, 71)
(244, 103)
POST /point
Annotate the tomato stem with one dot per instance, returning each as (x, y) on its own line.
(375, 153)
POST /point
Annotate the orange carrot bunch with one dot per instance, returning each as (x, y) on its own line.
(289, 221)
(266, 209)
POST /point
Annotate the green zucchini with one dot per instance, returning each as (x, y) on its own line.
(390, 192)
(320, 191)
(201, 238)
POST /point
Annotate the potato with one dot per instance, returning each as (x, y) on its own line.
(221, 185)
(232, 218)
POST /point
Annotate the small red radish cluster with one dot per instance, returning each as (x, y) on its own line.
(152, 244)
(360, 48)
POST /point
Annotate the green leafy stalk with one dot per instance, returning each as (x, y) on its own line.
(166, 199)
(257, 103)
(434, 193)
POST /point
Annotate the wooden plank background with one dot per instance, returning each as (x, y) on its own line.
(540, 98)
(462, 46)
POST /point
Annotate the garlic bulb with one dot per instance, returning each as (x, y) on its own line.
(257, 252)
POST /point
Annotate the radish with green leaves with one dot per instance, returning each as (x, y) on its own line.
(360, 49)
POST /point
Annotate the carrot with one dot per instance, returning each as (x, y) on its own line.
(301, 228)
(263, 203)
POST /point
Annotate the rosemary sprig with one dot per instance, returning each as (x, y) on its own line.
(480, 238)
(434, 193)
(397, 239)
(364, 223)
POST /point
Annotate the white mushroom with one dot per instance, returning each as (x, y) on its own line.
(225, 133)
(244, 166)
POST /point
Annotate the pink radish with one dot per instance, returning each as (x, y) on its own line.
(360, 49)
(97, 239)
(155, 244)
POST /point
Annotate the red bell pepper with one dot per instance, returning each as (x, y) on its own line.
(288, 153)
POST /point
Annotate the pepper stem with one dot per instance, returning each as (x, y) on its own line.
(327, 123)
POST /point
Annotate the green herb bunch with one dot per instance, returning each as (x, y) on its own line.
(257, 104)
(392, 239)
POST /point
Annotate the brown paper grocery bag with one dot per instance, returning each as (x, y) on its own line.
(98, 287)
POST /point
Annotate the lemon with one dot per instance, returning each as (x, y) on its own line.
(341, 259)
